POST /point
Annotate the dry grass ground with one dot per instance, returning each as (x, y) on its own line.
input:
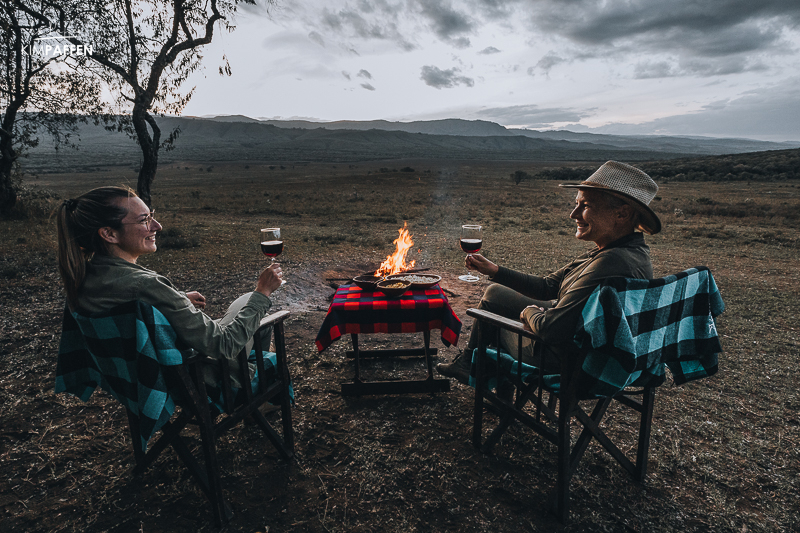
(725, 453)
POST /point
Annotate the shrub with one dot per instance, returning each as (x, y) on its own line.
(173, 239)
(519, 175)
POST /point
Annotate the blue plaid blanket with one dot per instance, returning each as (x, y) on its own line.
(503, 363)
(124, 352)
(632, 328)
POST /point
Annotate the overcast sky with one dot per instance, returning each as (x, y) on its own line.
(689, 67)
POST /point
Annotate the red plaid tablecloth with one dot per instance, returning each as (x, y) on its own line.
(356, 311)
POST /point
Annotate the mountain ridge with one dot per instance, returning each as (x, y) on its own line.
(243, 138)
(478, 128)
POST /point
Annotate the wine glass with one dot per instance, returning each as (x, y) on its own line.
(272, 244)
(471, 241)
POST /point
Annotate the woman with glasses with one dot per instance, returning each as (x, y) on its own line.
(102, 234)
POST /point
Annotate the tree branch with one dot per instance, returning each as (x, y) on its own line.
(134, 69)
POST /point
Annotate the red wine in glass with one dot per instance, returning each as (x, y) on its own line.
(471, 241)
(272, 248)
(471, 246)
(271, 243)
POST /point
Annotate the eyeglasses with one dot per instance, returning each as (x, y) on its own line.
(148, 219)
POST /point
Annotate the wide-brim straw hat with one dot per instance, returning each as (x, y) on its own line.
(629, 184)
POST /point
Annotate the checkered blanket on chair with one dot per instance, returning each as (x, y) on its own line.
(633, 327)
(123, 353)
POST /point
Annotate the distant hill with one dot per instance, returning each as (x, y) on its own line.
(482, 128)
(451, 126)
(236, 138)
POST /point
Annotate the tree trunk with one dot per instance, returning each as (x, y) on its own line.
(147, 173)
(150, 144)
(8, 194)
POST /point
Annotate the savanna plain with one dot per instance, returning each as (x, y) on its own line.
(725, 451)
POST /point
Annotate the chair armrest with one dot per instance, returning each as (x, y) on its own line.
(273, 319)
(514, 326)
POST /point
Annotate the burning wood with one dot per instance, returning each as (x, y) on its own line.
(396, 262)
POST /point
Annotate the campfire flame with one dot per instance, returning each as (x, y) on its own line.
(396, 262)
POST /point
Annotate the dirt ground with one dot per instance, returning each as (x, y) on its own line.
(725, 452)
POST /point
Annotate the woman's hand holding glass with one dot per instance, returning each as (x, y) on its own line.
(271, 243)
(270, 279)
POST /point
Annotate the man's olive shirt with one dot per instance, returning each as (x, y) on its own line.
(571, 286)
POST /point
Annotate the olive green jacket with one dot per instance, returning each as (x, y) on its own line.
(571, 286)
(111, 281)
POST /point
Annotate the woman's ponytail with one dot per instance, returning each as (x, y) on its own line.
(78, 222)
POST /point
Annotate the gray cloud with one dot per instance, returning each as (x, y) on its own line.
(679, 29)
(367, 86)
(710, 29)
(769, 114)
(382, 19)
(353, 23)
(652, 69)
(438, 79)
(364, 74)
(317, 38)
(660, 38)
(549, 60)
(495, 9)
(447, 23)
(531, 116)
(460, 42)
(702, 67)
(720, 67)
(346, 74)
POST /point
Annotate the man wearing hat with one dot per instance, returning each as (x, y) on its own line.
(611, 210)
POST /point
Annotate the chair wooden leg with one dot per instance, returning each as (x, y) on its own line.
(208, 478)
(280, 445)
(480, 386)
(648, 399)
(283, 375)
(212, 473)
(563, 466)
(507, 417)
(136, 441)
(586, 434)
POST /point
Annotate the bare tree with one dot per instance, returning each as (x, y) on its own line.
(39, 92)
(147, 50)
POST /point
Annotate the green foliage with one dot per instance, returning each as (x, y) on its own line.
(776, 165)
(565, 173)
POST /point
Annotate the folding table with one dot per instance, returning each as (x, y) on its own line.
(356, 311)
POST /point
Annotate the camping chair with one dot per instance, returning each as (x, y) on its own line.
(132, 353)
(630, 330)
